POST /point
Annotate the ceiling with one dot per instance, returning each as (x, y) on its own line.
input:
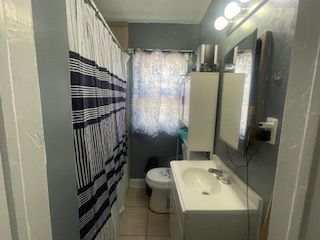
(154, 11)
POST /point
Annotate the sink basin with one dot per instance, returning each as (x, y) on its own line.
(201, 181)
(200, 191)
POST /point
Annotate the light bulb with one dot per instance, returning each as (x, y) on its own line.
(232, 10)
(220, 23)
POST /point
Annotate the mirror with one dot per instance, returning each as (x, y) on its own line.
(237, 105)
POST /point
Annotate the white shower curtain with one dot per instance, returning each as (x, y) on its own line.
(98, 88)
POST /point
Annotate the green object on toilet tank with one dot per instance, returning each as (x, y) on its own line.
(183, 133)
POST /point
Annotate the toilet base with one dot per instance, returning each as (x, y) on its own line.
(159, 201)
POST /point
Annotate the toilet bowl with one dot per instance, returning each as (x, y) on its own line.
(158, 179)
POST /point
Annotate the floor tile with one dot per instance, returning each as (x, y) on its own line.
(133, 221)
(136, 197)
(158, 224)
(132, 238)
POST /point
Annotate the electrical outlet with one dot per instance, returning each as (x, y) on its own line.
(273, 128)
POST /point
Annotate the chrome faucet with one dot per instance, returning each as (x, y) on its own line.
(220, 175)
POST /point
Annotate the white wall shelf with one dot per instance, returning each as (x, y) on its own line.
(198, 105)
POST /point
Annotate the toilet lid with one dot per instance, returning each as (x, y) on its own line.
(159, 175)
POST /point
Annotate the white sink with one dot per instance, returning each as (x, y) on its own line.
(200, 190)
(200, 181)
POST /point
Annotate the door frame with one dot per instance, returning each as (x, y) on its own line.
(299, 129)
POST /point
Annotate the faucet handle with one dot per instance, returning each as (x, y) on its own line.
(224, 179)
(219, 165)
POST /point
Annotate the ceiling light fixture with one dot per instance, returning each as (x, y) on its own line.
(232, 10)
(220, 23)
(245, 1)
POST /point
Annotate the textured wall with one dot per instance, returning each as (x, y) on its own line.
(163, 36)
(51, 39)
(298, 173)
(278, 16)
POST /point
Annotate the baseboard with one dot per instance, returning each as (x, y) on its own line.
(137, 183)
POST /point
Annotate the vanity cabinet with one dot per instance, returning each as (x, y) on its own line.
(176, 216)
(198, 105)
(203, 208)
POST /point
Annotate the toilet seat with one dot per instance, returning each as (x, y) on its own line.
(158, 178)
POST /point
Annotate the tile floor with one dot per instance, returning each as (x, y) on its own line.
(137, 222)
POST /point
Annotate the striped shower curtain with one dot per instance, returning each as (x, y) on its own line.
(98, 89)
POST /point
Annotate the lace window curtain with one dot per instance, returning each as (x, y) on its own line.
(155, 97)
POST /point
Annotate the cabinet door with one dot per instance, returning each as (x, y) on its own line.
(186, 105)
(175, 226)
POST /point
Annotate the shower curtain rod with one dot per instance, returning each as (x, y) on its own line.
(132, 50)
(94, 6)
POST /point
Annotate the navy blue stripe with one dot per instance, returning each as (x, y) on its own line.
(85, 207)
(77, 56)
(84, 103)
(103, 223)
(121, 142)
(80, 79)
(92, 63)
(88, 186)
(85, 229)
(96, 120)
(117, 157)
(109, 179)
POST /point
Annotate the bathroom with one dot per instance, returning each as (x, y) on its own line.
(63, 64)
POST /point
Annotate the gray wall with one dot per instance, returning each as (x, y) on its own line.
(155, 36)
(50, 26)
(280, 18)
(163, 36)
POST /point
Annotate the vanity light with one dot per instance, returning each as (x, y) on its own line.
(232, 16)
(232, 10)
(220, 23)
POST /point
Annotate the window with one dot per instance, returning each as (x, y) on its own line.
(155, 95)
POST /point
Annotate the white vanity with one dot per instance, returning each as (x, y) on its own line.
(204, 208)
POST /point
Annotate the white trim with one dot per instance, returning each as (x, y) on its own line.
(137, 183)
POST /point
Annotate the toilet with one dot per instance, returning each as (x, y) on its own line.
(158, 179)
